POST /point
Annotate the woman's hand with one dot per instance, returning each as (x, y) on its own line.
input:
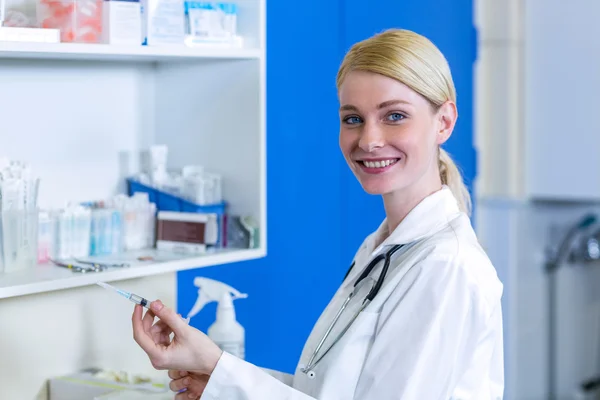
(188, 385)
(189, 350)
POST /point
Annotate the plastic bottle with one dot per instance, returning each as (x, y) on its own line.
(226, 331)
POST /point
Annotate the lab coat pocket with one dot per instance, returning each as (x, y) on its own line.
(341, 368)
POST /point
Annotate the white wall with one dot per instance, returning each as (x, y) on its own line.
(57, 333)
(513, 228)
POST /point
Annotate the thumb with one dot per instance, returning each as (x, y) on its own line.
(168, 316)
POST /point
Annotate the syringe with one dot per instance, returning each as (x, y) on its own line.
(128, 295)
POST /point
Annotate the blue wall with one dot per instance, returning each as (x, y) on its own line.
(317, 213)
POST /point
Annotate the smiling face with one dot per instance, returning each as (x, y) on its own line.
(389, 134)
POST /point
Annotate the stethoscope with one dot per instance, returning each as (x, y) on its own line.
(387, 256)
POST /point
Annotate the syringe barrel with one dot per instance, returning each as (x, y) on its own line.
(139, 300)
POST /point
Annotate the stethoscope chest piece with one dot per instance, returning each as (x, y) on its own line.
(311, 374)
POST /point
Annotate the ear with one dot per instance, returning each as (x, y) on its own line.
(446, 118)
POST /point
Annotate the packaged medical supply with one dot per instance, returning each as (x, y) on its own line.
(226, 331)
(19, 13)
(201, 187)
(163, 22)
(105, 234)
(122, 22)
(11, 34)
(135, 395)
(183, 232)
(211, 24)
(158, 165)
(210, 19)
(73, 231)
(92, 383)
(46, 237)
(2, 12)
(78, 20)
(138, 221)
(241, 232)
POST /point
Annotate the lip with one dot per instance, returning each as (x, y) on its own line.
(376, 171)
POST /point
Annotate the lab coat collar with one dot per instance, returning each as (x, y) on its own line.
(431, 215)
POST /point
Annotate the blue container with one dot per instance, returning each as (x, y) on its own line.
(170, 202)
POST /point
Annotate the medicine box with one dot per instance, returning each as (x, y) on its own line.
(163, 22)
(38, 35)
(122, 22)
(85, 386)
(189, 233)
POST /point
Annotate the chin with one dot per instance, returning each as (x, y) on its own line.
(377, 188)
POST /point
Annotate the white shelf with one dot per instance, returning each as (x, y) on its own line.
(104, 52)
(49, 277)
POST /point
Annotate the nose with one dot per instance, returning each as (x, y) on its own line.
(372, 138)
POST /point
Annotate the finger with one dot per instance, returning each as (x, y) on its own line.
(148, 320)
(161, 327)
(191, 394)
(187, 396)
(177, 385)
(161, 333)
(176, 374)
(170, 317)
(139, 334)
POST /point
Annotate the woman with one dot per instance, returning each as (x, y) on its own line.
(434, 329)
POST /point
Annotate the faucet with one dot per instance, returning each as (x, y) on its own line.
(587, 250)
(565, 250)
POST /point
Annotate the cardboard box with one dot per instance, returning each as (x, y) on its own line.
(84, 386)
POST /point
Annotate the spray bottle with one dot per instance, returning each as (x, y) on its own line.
(226, 332)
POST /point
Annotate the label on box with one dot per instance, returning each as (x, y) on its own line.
(163, 22)
(38, 35)
(122, 22)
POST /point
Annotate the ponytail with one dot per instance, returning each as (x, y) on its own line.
(452, 178)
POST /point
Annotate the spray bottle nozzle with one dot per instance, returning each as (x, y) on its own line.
(210, 290)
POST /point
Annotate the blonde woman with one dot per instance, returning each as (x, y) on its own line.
(418, 316)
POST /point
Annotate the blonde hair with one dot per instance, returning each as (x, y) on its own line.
(415, 61)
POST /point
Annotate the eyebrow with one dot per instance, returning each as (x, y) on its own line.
(350, 107)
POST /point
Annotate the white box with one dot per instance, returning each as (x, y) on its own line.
(84, 386)
(163, 22)
(38, 35)
(122, 22)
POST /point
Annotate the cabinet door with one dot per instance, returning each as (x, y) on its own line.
(562, 87)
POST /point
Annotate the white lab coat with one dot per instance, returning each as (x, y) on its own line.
(433, 332)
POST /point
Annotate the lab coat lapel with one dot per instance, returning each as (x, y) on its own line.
(429, 217)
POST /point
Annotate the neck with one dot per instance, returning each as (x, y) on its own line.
(398, 204)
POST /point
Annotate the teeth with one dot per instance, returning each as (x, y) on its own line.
(378, 164)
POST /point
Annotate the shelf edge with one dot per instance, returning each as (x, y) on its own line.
(113, 275)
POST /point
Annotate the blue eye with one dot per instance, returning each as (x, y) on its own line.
(395, 117)
(353, 119)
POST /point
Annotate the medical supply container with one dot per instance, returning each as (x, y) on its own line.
(78, 20)
(163, 22)
(187, 232)
(46, 237)
(170, 202)
(19, 240)
(122, 22)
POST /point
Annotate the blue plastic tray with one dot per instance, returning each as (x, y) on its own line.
(169, 202)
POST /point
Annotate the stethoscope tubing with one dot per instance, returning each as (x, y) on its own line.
(387, 256)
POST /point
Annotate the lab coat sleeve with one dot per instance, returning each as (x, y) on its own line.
(435, 324)
(234, 378)
(288, 379)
